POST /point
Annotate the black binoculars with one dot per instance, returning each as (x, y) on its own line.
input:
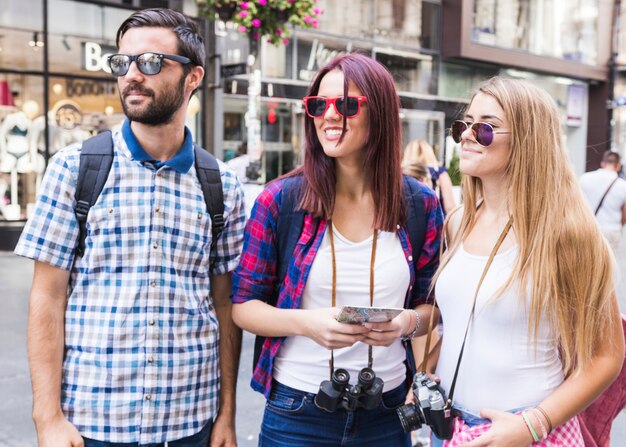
(338, 393)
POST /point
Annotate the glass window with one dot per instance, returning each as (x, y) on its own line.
(413, 72)
(21, 34)
(80, 36)
(21, 164)
(458, 81)
(414, 23)
(565, 29)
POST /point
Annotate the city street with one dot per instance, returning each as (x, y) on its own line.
(16, 428)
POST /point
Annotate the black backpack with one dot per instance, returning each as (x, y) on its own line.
(96, 158)
(290, 222)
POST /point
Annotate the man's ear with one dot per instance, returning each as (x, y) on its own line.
(194, 78)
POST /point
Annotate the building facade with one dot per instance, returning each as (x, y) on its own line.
(55, 88)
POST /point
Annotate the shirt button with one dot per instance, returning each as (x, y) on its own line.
(410, 258)
(149, 397)
(151, 322)
(155, 245)
(150, 359)
(153, 284)
(199, 215)
(110, 210)
(157, 209)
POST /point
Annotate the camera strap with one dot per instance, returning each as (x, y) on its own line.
(505, 231)
(331, 237)
(497, 245)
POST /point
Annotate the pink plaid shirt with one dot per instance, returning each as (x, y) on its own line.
(566, 435)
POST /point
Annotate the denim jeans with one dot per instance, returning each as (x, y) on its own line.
(200, 439)
(291, 419)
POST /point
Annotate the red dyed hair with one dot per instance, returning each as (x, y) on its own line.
(382, 166)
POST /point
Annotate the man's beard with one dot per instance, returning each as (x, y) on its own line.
(160, 109)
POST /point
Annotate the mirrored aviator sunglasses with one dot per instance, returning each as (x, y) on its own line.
(148, 63)
(316, 106)
(483, 132)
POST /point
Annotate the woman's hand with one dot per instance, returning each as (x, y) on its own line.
(507, 430)
(326, 331)
(384, 334)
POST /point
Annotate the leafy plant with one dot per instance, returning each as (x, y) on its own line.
(454, 170)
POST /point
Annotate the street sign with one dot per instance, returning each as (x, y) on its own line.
(233, 70)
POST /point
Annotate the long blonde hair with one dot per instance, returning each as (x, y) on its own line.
(563, 259)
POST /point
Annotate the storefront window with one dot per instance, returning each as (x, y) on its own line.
(457, 81)
(21, 34)
(314, 53)
(21, 163)
(413, 72)
(81, 36)
(559, 28)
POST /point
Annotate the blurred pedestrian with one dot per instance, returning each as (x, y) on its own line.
(353, 250)
(545, 335)
(419, 151)
(606, 194)
(240, 162)
(123, 341)
(419, 171)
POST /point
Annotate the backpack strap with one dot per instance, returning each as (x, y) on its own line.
(208, 172)
(96, 158)
(416, 223)
(416, 229)
(288, 228)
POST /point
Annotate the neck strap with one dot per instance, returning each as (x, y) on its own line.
(334, 287)
(505, 231)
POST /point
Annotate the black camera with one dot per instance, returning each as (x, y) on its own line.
(430, 408)
(338, 393)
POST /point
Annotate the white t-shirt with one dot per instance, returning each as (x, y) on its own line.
(303, 364)
(500, 367)
(594, 184)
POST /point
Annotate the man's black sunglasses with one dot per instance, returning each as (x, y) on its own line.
(148, 63)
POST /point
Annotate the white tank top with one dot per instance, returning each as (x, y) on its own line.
(500, 368)
(303, 364)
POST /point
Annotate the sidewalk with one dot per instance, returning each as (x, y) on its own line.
(16, 428)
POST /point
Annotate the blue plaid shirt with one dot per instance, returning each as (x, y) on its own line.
(141, 333)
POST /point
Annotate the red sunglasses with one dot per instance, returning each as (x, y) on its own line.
(316, 106)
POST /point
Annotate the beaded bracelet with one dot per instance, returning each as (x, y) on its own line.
(544, 432)
(412, 334)
(545, 415)
(533, 433)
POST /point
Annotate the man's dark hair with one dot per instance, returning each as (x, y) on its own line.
(190, 42)
(611, 158)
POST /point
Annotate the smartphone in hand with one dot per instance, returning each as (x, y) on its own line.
(359, 315)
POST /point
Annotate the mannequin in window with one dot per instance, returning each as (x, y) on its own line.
(16, 156)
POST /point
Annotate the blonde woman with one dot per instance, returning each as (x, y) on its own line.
(545, 337)
(419, 151)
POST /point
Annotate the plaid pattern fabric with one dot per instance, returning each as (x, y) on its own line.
(141, 333)
(566, 435)
(256, 275)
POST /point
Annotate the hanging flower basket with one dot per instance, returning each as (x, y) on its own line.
(270, 19)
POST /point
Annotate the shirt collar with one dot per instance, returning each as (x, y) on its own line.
(181, 162)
